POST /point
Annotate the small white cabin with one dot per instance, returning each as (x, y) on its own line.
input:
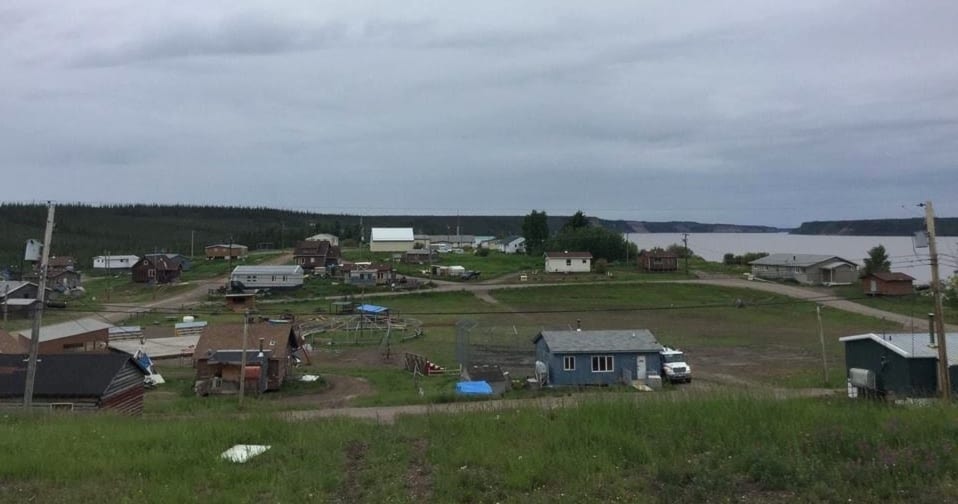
(568, 262)
(114, 262)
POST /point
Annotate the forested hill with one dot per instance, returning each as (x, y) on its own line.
(84, 231)
(627, 226)
(945, 226)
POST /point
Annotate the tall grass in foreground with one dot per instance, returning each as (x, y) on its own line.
(647, 451)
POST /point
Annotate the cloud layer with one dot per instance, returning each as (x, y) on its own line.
(748, 111)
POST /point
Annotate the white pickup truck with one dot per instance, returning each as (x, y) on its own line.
(674, 367)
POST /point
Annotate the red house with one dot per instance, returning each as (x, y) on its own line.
(888, 284)
(656, 260)
(156, 269)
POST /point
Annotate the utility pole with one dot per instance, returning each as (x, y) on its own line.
(821, 338)
(6, 293)
(229, 271)
(156, 271)
(242, 387)
(944, 380)
(685, 243)
(38, 311)
(192, 241)
(109, 282)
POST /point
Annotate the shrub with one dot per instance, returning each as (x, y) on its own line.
(601, 266)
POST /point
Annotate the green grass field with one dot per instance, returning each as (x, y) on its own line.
(711, 450)
(914, 305)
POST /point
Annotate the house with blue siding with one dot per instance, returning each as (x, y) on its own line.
(598, 357)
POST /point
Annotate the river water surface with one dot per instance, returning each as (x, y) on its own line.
(904, 257)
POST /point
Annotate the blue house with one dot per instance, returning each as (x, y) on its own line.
(598, 357)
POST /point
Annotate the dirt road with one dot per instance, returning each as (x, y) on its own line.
(117, 313)
(825, 299)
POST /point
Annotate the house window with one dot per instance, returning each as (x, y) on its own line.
(602, 363)
(568, 363)
(151, 273)
(583, 261)
(568, 262)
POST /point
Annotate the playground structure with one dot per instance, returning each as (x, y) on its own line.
(363, 325)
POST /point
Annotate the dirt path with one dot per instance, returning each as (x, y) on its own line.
(823, 298)
(119, 312)
(388, 414)
(339, 391)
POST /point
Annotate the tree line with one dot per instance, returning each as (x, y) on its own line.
(578, 233)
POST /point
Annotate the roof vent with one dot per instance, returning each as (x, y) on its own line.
(578, 325)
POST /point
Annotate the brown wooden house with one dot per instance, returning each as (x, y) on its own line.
(156, 269)
(657, 260)
(83, 335)
(75, 382)
(269, 357)
(888, 284)
(225, 251)
(61, 273)
(316, 254)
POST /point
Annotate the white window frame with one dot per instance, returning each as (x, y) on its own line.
(568, 363)
(609, 359)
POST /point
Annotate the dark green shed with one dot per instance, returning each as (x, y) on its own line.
(902, 364)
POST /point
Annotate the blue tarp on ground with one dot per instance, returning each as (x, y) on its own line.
(473, 388)
(369, 308)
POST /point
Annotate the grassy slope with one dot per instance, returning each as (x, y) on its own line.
(915, 305)
(711, 450)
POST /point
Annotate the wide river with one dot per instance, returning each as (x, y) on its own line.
(904, 257)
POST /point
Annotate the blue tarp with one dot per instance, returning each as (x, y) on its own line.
(369, 308)
(473, 388)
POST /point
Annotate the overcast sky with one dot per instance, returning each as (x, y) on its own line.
(752, 112)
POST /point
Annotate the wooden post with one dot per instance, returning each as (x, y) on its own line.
(944, 380)
(38, 311)
(821, 337)
(242, 387)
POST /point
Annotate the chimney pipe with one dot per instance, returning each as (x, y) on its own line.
(931, 329)
(261, 344)
(578, 325)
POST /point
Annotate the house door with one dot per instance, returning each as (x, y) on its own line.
(874, 286)
(640, 371)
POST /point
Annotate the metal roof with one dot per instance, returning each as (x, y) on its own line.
(84, 374)
(568, 255)
(391, 234)
(892, 276)
(636, 340)
(799, 260)
(268, 270)
(20, 301)
(910, 345)
(159, 348)
(227, 245)
(67, 329)
(12, 285)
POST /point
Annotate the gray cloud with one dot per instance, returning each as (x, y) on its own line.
(747, 111)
